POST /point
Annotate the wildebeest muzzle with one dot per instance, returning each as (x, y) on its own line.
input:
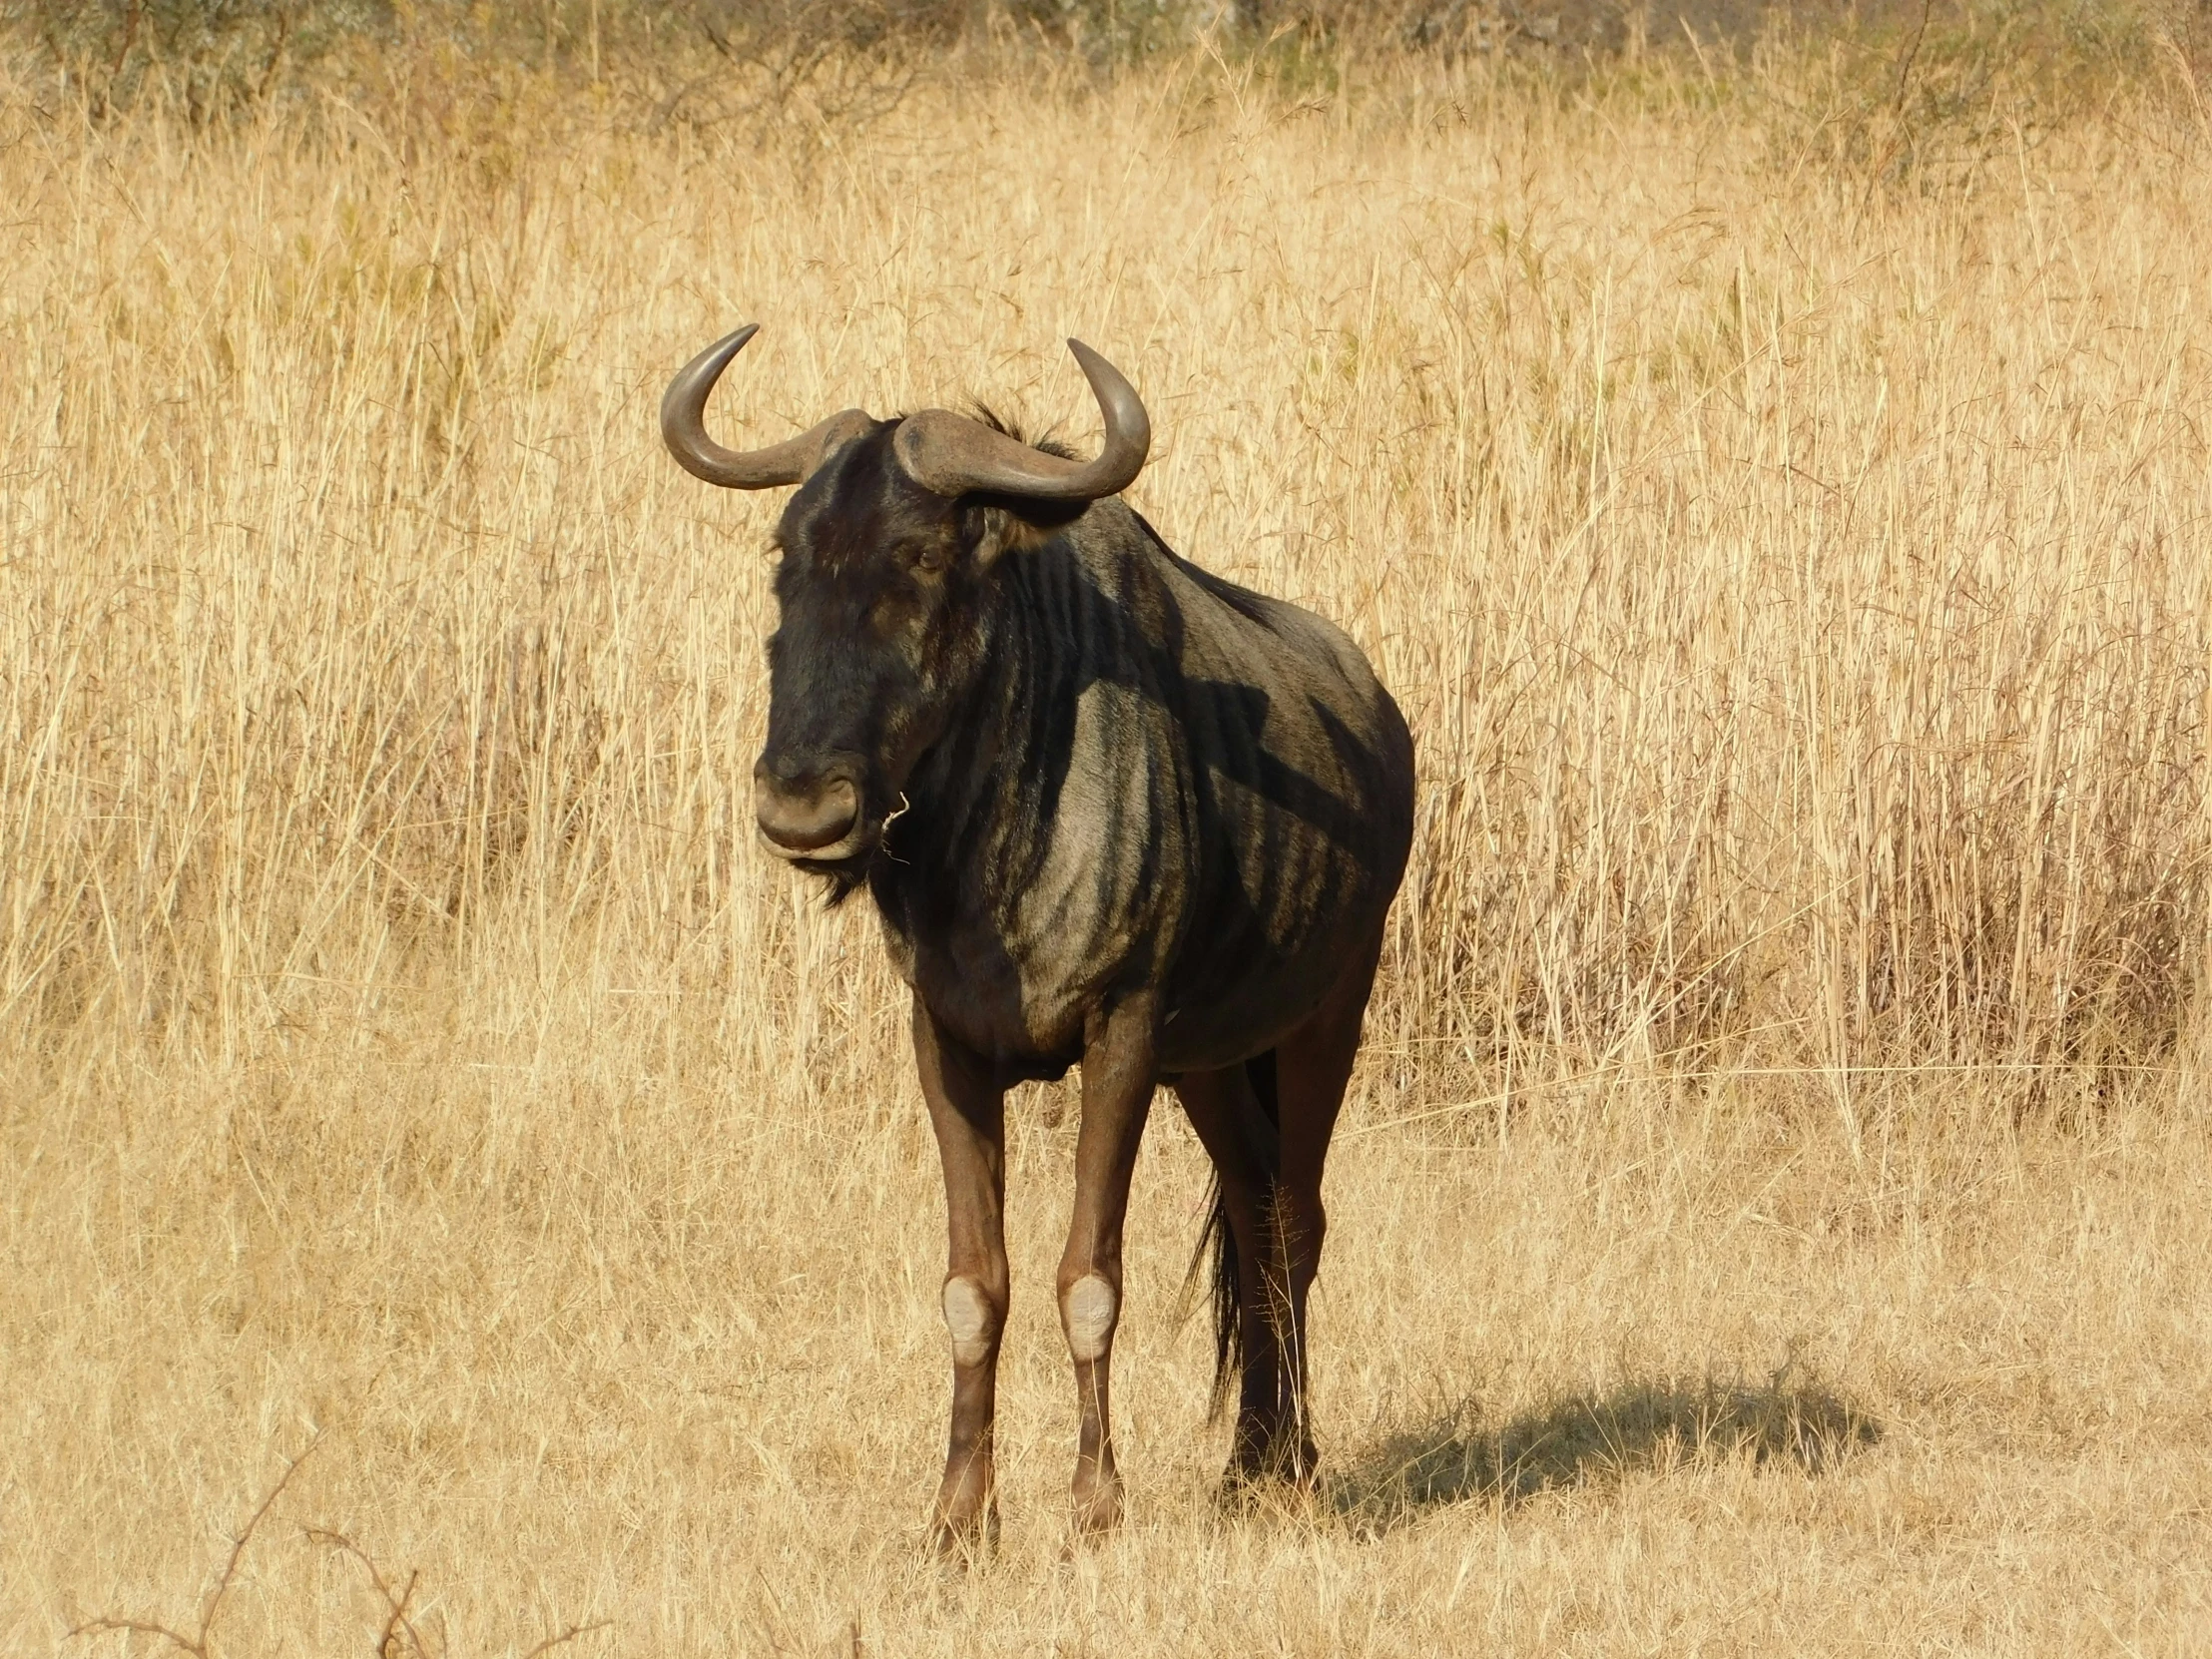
(810, 810)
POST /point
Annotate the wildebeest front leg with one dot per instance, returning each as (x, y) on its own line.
(1118, 1054)
(968, 1110)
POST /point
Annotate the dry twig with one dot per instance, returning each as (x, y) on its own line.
(199, 1643)
(400, 1638)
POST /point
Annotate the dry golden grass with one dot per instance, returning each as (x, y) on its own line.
(1771, 1215)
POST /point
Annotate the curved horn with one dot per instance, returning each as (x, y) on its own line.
(951, 454)
(684, 428)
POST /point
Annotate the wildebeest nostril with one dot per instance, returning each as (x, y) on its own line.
(806, 820)
(784, 770)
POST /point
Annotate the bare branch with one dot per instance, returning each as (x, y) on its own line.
(143, 1627)
(245, 1536)
(198, 1645)
(568, 1635)
(395, 1603)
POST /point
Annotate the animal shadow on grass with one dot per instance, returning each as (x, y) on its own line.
(1585, 1439)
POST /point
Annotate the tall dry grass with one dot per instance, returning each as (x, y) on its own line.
(1770, 1207)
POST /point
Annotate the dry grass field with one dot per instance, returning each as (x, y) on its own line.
(1772, 1211)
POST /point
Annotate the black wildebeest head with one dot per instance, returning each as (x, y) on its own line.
(888, 551)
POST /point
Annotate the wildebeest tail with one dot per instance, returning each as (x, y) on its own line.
(1219, 1241)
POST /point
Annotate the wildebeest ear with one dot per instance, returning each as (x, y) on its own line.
(999, 528)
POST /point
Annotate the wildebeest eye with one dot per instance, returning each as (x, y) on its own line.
(933, 559)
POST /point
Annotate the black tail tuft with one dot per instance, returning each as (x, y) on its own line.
(1219, 1241)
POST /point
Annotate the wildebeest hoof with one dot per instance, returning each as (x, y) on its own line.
(965, 1539)
(1096, 1511)
(1293, 1465)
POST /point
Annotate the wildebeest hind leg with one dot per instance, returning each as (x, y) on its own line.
(1240, 1137)
(1313, 1065)
(968, 1110)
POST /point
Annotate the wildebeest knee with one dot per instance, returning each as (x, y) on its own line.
(1089, 1308)
(972, 1318)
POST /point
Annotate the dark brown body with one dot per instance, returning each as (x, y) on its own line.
(1160, 781)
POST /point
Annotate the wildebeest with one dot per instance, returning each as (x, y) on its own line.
(1112, 809)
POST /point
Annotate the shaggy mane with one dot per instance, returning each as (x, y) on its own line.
(1044, 441)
